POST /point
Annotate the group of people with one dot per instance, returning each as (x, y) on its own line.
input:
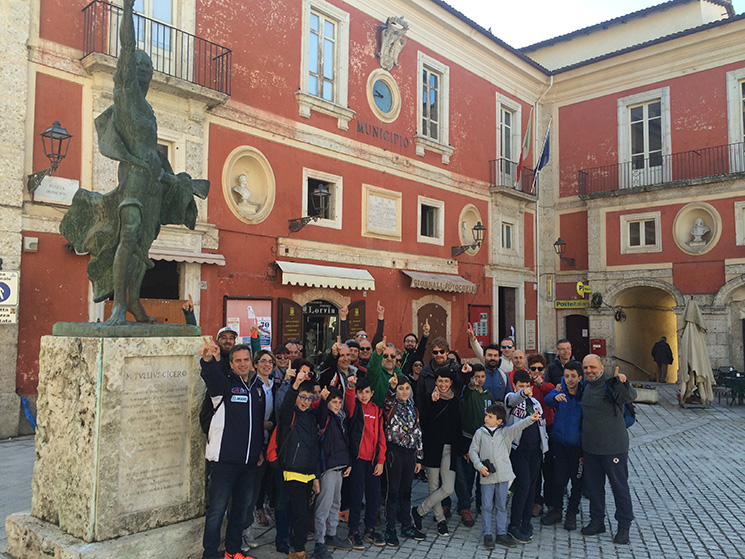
(309, 445)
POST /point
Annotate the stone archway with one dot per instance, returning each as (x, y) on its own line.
(616, 289)
(730, 303)
(649, 315)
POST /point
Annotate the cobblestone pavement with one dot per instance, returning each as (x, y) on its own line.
(686, 469)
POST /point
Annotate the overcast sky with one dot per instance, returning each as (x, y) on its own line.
(524, 22)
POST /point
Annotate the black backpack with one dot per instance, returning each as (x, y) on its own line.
(206, 413)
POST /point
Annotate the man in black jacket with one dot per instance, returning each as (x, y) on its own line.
(555, 370)
(663, 356)
(234, 444)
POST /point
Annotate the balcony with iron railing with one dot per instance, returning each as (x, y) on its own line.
(661, 171)
(173, 52)
(503, 173)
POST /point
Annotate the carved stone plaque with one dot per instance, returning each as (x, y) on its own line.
(153, 449)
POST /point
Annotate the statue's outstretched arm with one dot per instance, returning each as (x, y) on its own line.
(126, 64)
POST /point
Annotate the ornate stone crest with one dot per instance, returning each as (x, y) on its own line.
(392, 40)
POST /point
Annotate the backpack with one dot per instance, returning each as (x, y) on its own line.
(273, 450)
(628, 409)
(206, 413)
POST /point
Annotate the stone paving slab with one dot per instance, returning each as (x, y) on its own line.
(686, 475)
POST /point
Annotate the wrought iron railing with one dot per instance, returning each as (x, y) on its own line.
(663, 169)
(503, 172)
(173, 52)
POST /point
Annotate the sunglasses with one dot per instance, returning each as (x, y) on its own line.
(438, 352)
(361, 335)
(389, 355)
(536, 368)
(283, 356)
(366, 349)
(507, 347)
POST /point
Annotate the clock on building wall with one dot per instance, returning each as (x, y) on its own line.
(383, 95)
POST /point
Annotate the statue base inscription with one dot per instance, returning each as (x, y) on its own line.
(119, 448)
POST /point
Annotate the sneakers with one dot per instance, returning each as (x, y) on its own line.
(527, 529)
(570, 522)
(417, 518)
(442, 528)
(391, 538)
(238, 555)
(552, 517)
(296, 554)
(593, 529)
(466, 517)
(320, 552)
(518, 535)
(356, 541)
(413, 533)
(506, 540)
(344, 515)
(335, 542)
(247, 540)
(622, 536)
(489, 542)
(372, 537)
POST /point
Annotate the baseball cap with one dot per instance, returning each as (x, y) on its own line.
(226, 329)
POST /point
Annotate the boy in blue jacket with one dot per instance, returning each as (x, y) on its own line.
(567, 445)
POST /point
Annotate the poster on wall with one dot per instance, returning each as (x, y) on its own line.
(243, 313)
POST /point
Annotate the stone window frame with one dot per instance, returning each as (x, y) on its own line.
(623, 114)
(740, 223)
(625, 223)
(336, 189)
(736, 118)
(307, 103)
(513, 248)
(422, 142)
(515, 108)
(439, 239)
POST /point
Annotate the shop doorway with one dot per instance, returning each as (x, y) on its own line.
(438, 323)
(320, 329)
(507, 314)
(578, 333)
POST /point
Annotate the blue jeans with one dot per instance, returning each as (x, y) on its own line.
(227, 481)
(615, 467)
(494, 496)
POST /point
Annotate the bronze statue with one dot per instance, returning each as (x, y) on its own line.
(118, 227)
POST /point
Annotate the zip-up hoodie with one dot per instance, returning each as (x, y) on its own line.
(300, 450)
(334, 438)
(567, 428)
(366, 435)
(402, 424)
(236, 434)
(516, 410)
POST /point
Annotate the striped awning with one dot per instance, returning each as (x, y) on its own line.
(440, 282)
(314, 275)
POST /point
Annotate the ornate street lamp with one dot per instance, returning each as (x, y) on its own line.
(478, 238)
(56, 141)
(560, 248)
(320, 201)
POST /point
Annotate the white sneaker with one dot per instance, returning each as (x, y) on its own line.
(248, 541)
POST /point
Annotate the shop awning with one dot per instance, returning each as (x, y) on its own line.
(313, 275)
(191, 257)
(440, 282)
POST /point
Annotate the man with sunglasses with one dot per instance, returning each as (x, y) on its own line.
(507, 347)
(282, 355)
(555, 370)
(381, 368)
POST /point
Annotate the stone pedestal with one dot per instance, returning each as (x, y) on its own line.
(119, 447)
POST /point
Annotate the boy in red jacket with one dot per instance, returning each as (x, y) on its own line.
(367, 449)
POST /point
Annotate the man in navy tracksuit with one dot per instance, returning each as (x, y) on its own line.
(234, 444)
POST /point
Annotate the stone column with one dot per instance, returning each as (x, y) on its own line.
(14, 34)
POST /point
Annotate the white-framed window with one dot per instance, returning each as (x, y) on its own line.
(735, 81)
(641, 233)
(507, 234)
(324, 62)
(433, 119)
(644, 138)
(430, 221)
(509, 140)
(740, 223)
(331, 216)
